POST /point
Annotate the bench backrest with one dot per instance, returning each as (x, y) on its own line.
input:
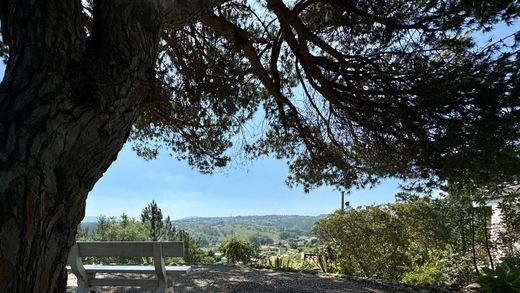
(129, 248)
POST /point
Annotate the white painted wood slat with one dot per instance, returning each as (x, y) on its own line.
(137, 269)
(125, 282)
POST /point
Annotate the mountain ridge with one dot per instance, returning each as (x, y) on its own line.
(209, 231)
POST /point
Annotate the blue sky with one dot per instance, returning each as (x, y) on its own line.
(131, 183)
(258, 189)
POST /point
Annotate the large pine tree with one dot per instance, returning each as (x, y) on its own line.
(352, 91)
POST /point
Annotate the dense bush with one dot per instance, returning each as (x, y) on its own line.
(122, 229)
(428, 274)
(369, 241)
(237, 250)
(512, 261)
(458, 268)
(502, 279)
(443, 267)
(416, 240)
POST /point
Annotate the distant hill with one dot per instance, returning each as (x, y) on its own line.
(212, 230)
(209, 231)
(90, 219)
(88, 225)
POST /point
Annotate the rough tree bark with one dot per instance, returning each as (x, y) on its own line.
(67, 103)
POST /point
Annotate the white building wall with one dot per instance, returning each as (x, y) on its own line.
(497, 228)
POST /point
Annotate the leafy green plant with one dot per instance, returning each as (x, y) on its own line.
(502, 279)
(306, 266)
(428, 275)
(323, 262)
(458, 268)
(237, 250)
(442, 267)
(371, 241)
(513, 261)
(280, 262)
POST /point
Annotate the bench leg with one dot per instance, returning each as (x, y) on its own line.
(85, 288)
(91, 289)
(82, 287)
(166, 286)
(170, 285)
(170, 288)
(94, 289)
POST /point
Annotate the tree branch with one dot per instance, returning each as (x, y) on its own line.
(241, 39)
(179, 13)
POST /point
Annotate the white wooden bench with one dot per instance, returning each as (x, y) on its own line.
(86, 274)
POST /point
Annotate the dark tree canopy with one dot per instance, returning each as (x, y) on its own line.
(349, 91)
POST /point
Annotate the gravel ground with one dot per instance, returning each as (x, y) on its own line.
(246, 279)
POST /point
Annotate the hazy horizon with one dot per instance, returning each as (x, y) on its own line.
(90, 219)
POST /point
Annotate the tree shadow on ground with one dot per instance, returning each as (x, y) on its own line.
(218, 278)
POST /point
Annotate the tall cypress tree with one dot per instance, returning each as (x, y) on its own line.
(152, 216)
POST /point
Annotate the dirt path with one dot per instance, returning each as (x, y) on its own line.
(245, 279)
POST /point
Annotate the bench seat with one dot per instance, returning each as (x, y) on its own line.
(135, 269)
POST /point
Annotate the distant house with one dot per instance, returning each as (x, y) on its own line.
(497, 227)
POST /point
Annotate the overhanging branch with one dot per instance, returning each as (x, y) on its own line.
(179, 13)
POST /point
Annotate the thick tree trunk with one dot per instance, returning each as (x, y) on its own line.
(67, 103)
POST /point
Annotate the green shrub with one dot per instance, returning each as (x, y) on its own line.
(368, 242)
(280, 262)
(513, 261)
(502, 279)
(237, 250)
(442, 267)
(458, 269)
(429, 275)
(416, 240)
(306, 266)
(208, 260)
